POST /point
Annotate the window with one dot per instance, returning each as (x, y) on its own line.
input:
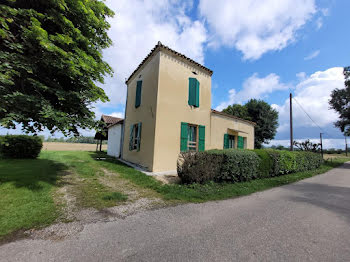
(138, 94)
(193, 92)
(135, 137)
(229, 141)
(240, 142)
(192, 137)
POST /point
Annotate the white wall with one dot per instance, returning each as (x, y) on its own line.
(114, 136)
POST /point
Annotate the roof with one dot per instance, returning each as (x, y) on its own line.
(110, 119)
(232, 116)
(160, 47)
(121, 121)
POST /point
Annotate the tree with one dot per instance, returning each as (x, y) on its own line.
(340, 102)
(237, 110)
(260, 112)
(51, 63)
(307, 145)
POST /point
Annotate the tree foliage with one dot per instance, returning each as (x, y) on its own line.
(340, 102)
(260, 112)
(307, 145)
(51, 62)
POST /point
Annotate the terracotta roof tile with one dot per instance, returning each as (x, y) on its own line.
(110, 119)
(160, 47)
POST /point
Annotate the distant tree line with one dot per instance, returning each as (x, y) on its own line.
(79, 139)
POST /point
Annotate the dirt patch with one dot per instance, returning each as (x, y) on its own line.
(74, 217)
(168, 179)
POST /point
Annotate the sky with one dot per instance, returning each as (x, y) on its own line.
(257, 49)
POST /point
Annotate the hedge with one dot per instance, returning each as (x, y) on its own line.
(218, 165)
(20, 146)
(285, 162)
(236, 165)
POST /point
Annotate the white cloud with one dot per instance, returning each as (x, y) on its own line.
(136, 29)
(313, 55)
(326, 143)
(313, 94)
(254, 87)
(256, 27)
(117, 114)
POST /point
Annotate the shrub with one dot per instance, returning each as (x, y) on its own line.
(218, 165)
(266, 163)
(20, 146)
(285, 162)
(198, 167)
(234, 165)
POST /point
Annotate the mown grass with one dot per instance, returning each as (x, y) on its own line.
(27, 187)
(89, 192)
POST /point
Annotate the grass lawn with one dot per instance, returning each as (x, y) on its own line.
(29, 188)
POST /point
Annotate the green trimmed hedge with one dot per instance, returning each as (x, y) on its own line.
(236, 165)
(20, 146)
(218, 165)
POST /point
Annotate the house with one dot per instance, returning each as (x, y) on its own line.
(168, 110)
(112, 132)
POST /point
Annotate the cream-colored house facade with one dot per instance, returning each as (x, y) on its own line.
(168, 110)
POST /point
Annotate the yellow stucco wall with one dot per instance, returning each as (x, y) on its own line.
(173, 108)
(221, 125)
(164, 105)
(145, 113)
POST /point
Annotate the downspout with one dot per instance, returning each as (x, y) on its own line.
(123, 125)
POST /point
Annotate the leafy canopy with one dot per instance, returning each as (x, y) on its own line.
(260, 112)
(340, 102)
(51, 62)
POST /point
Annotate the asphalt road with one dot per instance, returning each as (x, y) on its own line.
(305, 221)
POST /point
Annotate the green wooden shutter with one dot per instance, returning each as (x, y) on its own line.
(197, 94)
(240, 142)
(184, 134)
(131, 137)
(138, 94)
(201, 138)
(226, 141)
(192, 91)
(139, 136)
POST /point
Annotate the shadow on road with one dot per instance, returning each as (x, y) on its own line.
(332, 198)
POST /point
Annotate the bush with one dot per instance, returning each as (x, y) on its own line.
(218, 165)
(198, 167)
(20, 146)
(266, 163)
(285, 162)
(234, 165)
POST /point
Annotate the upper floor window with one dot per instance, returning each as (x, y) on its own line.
(138, 94)
(193, 92)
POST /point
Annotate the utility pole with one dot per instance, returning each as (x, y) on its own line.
(291, 120)
(321, 145)
(346, 146)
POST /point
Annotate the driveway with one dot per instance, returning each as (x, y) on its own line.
(305, 221)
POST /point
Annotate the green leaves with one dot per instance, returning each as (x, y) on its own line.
(340, 102)
(260, 112)
(51, 63)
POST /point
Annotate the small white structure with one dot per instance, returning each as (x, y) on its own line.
(114, 139)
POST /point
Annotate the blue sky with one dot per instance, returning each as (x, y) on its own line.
(257, 49)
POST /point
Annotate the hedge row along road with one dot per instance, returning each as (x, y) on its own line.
(304, 221)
